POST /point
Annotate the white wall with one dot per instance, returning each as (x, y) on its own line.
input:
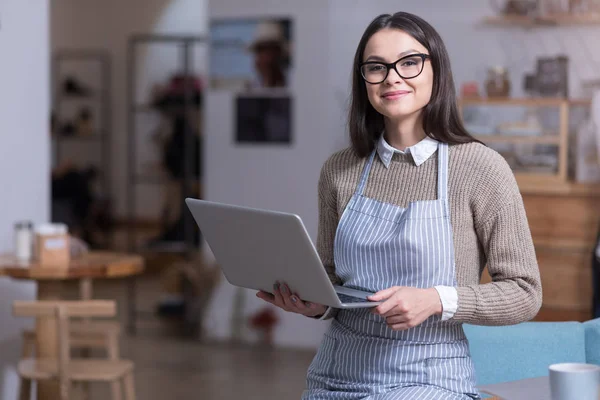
(24, 153)
(107, 24)
(274, 177)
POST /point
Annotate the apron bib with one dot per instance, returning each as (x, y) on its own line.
(379, 245)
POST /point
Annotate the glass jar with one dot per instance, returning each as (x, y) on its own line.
(497, 83)
(23, 240)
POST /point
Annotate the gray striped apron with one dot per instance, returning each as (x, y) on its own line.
(379, 245)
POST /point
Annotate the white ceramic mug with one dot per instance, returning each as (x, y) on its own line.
(571, 381)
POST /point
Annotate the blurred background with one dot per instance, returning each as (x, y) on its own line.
(112, 112)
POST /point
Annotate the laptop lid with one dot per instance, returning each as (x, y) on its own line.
(256, 248)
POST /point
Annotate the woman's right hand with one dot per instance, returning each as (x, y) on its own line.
(283, 298)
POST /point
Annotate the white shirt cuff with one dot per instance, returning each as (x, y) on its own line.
(327, 313)
(449, 299)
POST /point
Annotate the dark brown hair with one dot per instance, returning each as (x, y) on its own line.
(441, 119)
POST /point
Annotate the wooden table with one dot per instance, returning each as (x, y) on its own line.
(86, 268)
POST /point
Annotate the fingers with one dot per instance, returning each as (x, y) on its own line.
(383, 294)
(286, 295)
(310, 305)
(283, 298)
(391, 297)
(396, 317)
(404, 308)
(268, 297)
(387, 307)
(278, 295)
(397, 309)
(276, 298)
(299, 304)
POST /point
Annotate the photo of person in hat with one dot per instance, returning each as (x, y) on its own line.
(270, 49)
(250, 54)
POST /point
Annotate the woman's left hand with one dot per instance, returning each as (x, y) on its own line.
(406, 307)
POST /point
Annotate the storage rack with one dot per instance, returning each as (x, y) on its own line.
(185, 44)
(101, 97)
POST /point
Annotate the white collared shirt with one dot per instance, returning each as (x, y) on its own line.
(420, 153)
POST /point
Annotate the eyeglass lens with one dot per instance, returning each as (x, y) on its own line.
(407, 68)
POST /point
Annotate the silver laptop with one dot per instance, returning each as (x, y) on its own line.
(256, 248)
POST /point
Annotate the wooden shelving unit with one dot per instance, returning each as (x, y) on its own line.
(560, 139)
(549, 20)
(551, 183)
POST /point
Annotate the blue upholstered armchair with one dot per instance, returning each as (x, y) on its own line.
(508, 353)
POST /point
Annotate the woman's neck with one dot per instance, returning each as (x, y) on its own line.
(404, 132)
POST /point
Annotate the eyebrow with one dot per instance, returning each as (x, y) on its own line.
(404, 53)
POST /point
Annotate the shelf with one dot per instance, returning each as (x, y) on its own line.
(548, 314)
(550, 20)
(563, 244)
(525, 101)
(150, 180)
(174, 247)
(90, 138)
(144, 108)
(90, 97)
(580, 102)
(514, 139)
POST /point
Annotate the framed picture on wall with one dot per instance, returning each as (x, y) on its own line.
(263, 119)
(552, 76)
(247, 54)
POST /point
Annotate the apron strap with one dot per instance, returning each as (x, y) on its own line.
(443, 171)
(365, 174)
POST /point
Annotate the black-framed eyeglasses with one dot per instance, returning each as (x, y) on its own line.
(407, 67)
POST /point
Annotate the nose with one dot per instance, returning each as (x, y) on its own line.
(393, 77)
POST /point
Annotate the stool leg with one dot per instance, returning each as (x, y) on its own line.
(25, 389)
(28, 345)
(85, 386)
(115, 388)
(112, 347)
(85, 391)
(129, 386)
(65, 390)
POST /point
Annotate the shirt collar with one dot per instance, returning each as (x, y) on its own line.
(420, 152)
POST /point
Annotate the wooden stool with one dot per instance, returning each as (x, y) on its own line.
(84, 335)
(66, 369)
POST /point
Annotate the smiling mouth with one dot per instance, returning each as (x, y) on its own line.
(394, 95)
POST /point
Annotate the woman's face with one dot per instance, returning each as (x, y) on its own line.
(396, 97)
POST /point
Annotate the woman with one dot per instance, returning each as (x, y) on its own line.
(413, 211)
